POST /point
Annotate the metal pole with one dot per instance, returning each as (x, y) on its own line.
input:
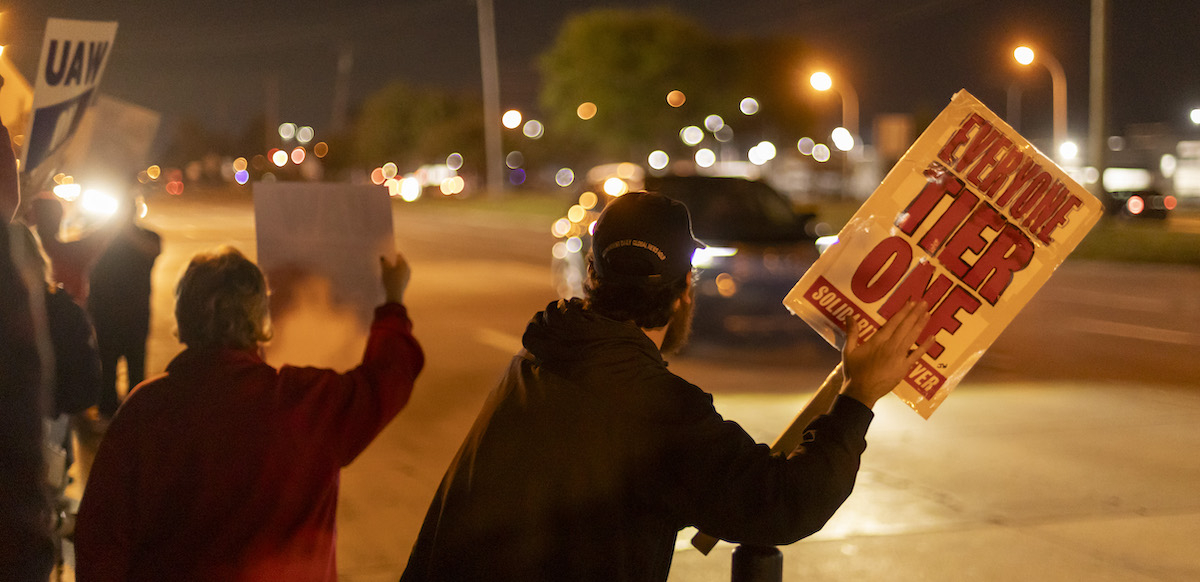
(1014, 106)
(491, 96)
(1059, 81)
(1097, 150)
(757, 564)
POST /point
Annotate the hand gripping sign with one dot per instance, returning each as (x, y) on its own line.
(973, 220)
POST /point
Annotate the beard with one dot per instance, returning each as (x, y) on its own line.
(679, 328)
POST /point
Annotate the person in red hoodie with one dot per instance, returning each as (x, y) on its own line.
(225, 468)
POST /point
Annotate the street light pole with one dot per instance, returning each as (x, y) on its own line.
(491, 96)
(821, 81)
(1058, 80)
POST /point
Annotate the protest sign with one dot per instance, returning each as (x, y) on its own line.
(74, 55)
(973, 220)
(319, 245)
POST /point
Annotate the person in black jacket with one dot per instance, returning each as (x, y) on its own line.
(590, 455)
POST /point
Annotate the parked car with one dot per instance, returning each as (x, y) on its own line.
(1140, 204)
(757, 248)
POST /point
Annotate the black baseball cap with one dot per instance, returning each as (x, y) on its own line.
(644, 236)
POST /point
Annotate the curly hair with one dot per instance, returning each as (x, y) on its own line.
(222, 301)
(649, 305)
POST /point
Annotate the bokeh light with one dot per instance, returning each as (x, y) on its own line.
(586, 110)
(514, 160)
(658, 159)
(321, 149)
(559, 250)
(298, 155)
(239, 164)
(842, 139)
(561, 227)
(705, 158)
(805, 145)
(615, 187)
(154, 172)
(533, 129)
(452, 185)
(305, 134)
(588, 200)
(714, 123)
(574, 244)
(676, 98)
(564, 177)
(517, 176)
(279, 158)
(377, 177)
(724, 134)
(287, 130)
(576, 213)
(511, 119)
(762, 153)
(1069, 150)
(691, 135)
(389, 170)
(241, 177)
(410, 189)
(454, 161)
(68, 192)
(820, 152)
(749, 106)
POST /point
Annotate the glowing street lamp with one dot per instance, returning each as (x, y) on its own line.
(821, 81)
(1025, 56)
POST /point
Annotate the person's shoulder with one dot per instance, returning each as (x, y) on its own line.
(668, 397)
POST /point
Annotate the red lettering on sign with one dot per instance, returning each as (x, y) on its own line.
(944, 317)
(1010, 252)
(1022, 177)
(924, 379)
(996, 178)
(949, 220)
(961, 136)
(871, 281)
(938, 183)
(970, 238)
(983, 140)
(1045, 208)
(840, 310)
(1030, 195)
(989, 157)
(917, 286)
(1060, 217)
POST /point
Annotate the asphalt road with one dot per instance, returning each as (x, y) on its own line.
(1070, 453)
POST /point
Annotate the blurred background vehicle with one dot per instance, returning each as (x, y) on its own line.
(1140, 204)
(758, 246)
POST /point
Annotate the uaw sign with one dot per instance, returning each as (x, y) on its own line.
(973, 220)
(74, 54)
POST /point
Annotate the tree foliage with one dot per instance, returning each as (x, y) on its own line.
(627, 61)
(412, 126)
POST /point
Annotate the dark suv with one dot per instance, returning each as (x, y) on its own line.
(758, 247)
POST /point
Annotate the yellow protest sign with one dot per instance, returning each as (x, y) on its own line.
(973, 220)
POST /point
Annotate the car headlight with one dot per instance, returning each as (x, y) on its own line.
(705, 257)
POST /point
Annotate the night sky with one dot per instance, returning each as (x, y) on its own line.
(208, 59)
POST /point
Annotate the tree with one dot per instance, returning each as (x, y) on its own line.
(412, 126)
(626, 62)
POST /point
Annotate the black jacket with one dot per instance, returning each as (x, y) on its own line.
(590, 456)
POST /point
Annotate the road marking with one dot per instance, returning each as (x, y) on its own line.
(1142, 332)
(507, 343)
